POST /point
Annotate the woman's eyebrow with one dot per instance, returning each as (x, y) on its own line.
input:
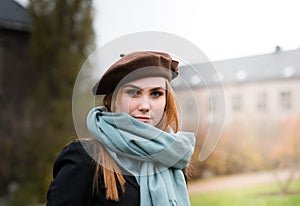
(139, 88)
(133, 86)
(157, 88)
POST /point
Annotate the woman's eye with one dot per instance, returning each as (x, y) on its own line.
(132, 92)
(157, 93)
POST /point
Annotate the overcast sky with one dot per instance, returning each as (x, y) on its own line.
(221, 29)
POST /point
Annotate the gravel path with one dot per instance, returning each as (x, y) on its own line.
(238, 181)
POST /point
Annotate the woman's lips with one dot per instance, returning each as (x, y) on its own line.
(143, 119)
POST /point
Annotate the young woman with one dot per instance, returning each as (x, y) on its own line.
(136, 155)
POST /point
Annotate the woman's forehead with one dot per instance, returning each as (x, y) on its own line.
(148, 82)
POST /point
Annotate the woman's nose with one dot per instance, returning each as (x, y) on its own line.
(144, 104)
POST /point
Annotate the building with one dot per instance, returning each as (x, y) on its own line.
(245, 111)
(256, 88)
(248, 100)
(15, 62)
(17, 75)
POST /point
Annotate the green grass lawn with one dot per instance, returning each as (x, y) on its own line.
(263, 195)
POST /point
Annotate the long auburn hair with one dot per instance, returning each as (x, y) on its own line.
(107, 167)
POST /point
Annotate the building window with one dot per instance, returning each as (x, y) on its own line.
(262, 101)
(236, 102)
(212, 103)
(285, 100)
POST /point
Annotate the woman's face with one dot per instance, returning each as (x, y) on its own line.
(143, 99)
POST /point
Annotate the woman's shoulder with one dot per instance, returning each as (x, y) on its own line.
(77, 153)
(73, 148)
(73, 173)
(83, 146)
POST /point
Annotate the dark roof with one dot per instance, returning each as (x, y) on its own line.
(13, 16)
(279, 65)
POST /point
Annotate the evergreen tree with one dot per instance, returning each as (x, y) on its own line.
(62, 36)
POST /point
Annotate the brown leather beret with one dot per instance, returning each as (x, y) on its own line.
(139, 64)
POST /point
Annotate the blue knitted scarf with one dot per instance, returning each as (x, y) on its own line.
(156, 158)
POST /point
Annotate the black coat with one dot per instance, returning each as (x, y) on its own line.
(73, 182)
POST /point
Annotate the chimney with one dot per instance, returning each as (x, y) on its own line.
(277, 49)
